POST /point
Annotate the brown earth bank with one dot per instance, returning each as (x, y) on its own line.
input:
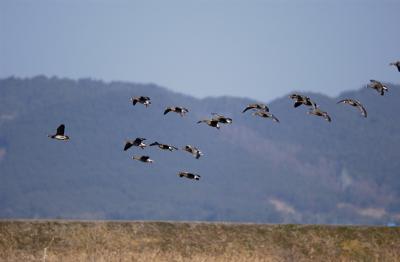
(61, 240)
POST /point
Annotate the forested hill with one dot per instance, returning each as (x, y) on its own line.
(301, 170)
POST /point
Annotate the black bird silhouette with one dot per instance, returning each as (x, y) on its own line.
(354, 103)
(60, 134)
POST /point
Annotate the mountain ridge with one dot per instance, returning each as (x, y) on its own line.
(302, 170)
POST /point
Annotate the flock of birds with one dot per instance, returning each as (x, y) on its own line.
(259, 109)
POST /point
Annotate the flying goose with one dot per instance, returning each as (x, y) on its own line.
(378, 86)
(164, 146)
(60, 133)
(137, 142)
(145, 159)
(265, 114)
(355, 103)
(212, 122)
(256, 106)
(193, 150)
(222, 119)
(145, 100)
(189, 175)
(302, 100)
(318, 112)
(396, 64)
(177, 109)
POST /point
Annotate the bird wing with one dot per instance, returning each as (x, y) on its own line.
(61, 130)
(169, 109)
(144, 158)
(154, 144)
(274, 118)
(297, 104)
(127, 145)
(362, 109)
(248, 107)
(342, 101)
(327, 117)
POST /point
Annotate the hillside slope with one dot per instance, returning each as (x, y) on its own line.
(167, 241)
(302, 170)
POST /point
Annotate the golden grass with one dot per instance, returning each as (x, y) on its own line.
(167, 241)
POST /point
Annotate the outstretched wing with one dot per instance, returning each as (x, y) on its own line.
(327, 117)
(274, 118)
(127, 145)
(61, 130)
(362, 109)
(248, 107)
(167, 110)
(342, 101)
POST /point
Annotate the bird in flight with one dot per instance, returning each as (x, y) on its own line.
(177, 109)
(265, 114)
(302, 100)
(378, 86)
(145, 159)
(318, 112)
(60, 134)
(145, 100)
(221, 119)
(137, 142)
(193, 150)
(256, 106)
(354, 103)
(164, 146)
(189, 175)
(212, 122)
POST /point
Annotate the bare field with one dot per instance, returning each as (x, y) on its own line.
(60, 240)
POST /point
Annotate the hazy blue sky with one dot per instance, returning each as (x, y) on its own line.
(259, 49)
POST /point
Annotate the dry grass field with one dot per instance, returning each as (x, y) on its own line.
(67, 241)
